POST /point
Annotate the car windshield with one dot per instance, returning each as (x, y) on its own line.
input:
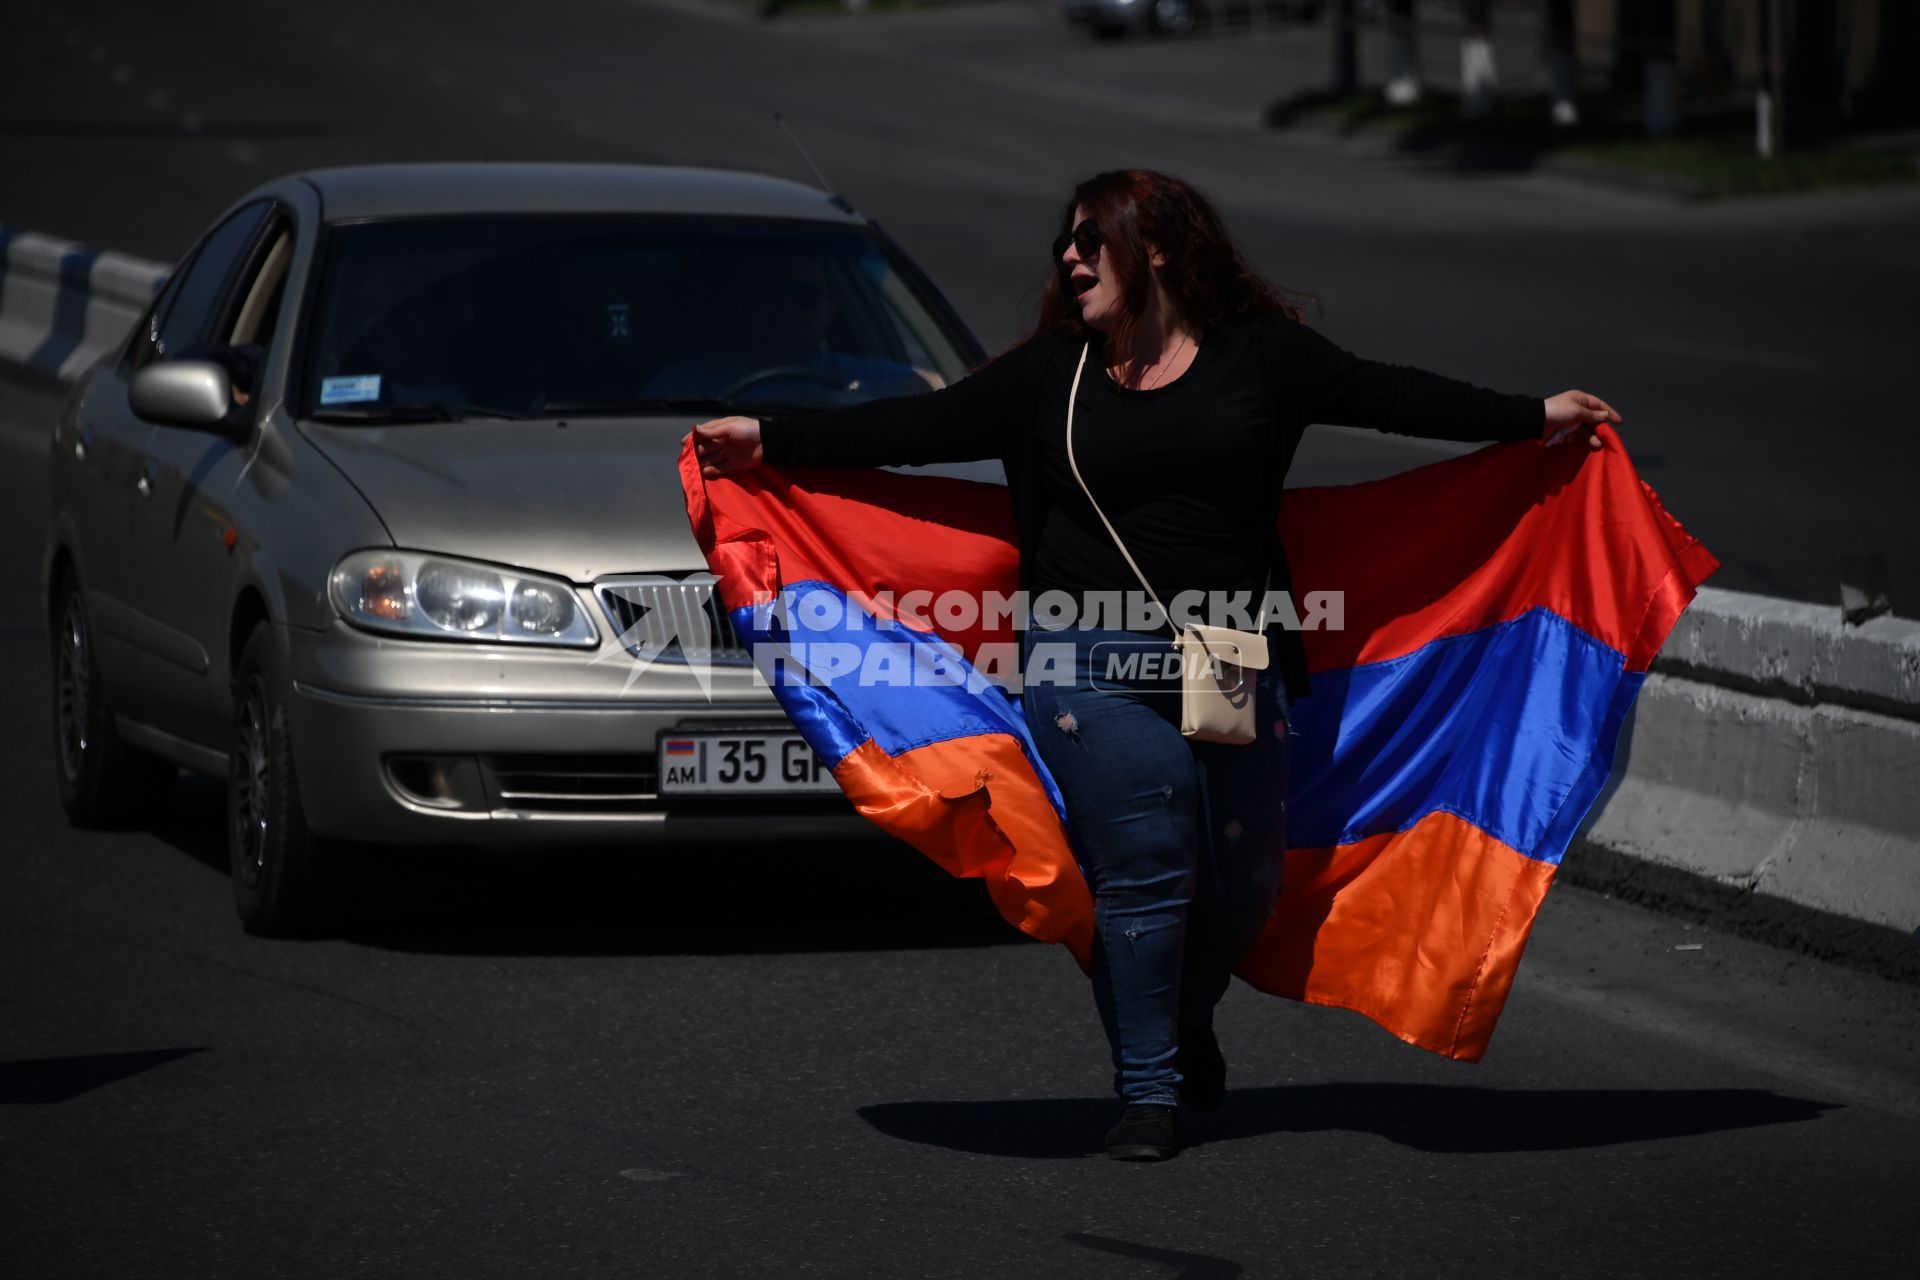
(433, 320)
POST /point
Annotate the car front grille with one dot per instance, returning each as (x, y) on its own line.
(558, 783)
(672, 618)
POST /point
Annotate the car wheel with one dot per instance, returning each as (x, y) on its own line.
(284, 877)
(102, 781)
(1172, 17)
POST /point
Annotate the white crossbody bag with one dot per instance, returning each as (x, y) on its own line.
(1217, 664)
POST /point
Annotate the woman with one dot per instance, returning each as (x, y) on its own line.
(1191, 383)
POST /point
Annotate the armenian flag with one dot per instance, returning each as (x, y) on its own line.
(1500, 610)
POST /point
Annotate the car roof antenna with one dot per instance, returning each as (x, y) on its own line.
(838, 200)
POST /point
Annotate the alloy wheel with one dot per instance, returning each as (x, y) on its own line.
(252, 773)
(71, 692)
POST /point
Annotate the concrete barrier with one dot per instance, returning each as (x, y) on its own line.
(63, 305)
(1773, 756)
(1776, 750)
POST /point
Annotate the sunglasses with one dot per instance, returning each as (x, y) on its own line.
(1085, 238)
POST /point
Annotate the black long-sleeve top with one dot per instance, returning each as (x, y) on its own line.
(1190, 473)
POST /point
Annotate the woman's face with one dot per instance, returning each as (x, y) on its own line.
(1091, 280)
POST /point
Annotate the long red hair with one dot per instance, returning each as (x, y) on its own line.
(1205, 277)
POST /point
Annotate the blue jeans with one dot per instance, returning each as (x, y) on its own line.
(1180, 841)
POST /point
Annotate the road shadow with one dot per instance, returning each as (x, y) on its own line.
(740, 897)
(194, 821)
(1448, 1120)
(713, 900)
(1193, 1266)
(43, 1081)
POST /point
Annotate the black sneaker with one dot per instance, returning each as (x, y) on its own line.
(1203, 1071)
(1145, 1132)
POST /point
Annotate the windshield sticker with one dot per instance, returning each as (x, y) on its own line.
(352, 390)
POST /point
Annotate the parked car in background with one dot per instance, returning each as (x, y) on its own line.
(379, 503)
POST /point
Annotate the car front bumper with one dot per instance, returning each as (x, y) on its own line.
(403, 742)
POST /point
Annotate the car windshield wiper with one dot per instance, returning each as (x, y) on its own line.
(671, 404)
(411, 411)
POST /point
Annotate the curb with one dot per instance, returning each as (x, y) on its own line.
(1470, 154)
(1822, 935)
(1406, 141)
(1768, 779)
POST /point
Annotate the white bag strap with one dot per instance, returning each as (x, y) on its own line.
(1073, 397)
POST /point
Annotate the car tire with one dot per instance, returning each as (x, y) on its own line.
(285, 878)
(103, 783)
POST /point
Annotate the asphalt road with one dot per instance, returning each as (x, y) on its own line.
(759, 1061)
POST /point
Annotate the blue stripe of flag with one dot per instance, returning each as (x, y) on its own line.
(1511, 728)
(838, 716)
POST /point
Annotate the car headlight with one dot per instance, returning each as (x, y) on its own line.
(413, 593)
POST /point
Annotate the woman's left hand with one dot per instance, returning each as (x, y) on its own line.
(1571, 410)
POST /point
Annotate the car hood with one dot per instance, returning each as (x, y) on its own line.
(580, 500)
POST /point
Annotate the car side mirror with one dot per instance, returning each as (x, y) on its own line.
(183, 393)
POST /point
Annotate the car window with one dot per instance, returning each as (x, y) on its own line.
(183, 317)
(270, 317)
(238, 336)
(254, 305)
(144, 347)
(540, 316)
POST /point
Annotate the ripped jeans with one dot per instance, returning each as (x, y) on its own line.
(1180, 841)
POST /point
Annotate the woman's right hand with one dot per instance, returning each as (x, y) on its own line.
(1572, 411)
(727, 446)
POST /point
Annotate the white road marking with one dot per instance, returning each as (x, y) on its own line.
(648, 1175)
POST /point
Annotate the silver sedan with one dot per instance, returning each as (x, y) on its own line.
(377, 516)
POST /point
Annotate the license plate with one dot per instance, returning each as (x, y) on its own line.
(709, 762)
